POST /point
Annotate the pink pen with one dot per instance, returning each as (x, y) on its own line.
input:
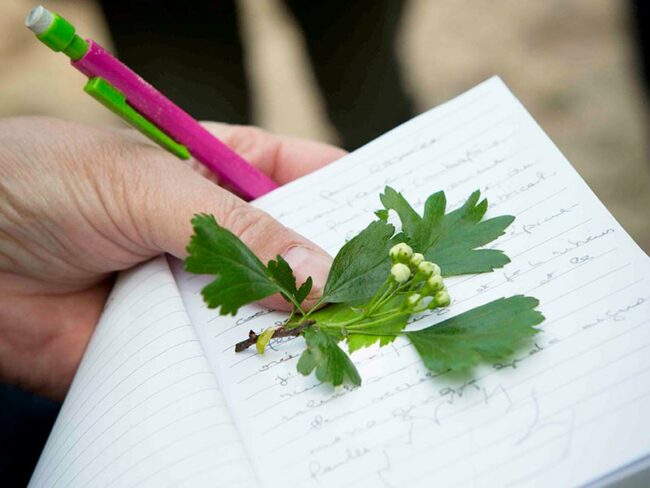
(128, 95)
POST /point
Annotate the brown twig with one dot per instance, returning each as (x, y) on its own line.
(280, 332)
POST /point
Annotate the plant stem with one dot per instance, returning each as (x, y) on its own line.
(383, 289)
(395, 291)
(376, 319)
(392, 311)
(279, 332)
(298, 307)
(313, 309)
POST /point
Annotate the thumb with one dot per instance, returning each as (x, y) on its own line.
(177, 193)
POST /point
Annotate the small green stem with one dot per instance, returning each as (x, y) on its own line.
(293, 301)
(377, 319)
(369, 317)
(386, 286)
(416, 303)
(314, 308)
(395, 292)
(393, 311)
(376, 302)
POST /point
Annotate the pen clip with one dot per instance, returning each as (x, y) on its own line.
(113, 99)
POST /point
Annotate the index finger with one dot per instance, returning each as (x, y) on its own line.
(283, 158)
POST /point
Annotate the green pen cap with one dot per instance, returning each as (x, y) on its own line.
(56, 33)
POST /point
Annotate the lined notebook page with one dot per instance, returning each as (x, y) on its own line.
(144, 408)
(565, 411)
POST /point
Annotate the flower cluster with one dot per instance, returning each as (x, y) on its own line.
(417, 278)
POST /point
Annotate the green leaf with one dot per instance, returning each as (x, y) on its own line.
(304, 290)
(364, 332)
(361, 266)
(383, 330)
(382, 214)
(451, 240)
(323, 354)
(490, 332)
(463, 231)
(283, 275)
(412, 223)
(240, 278)
(335, 315)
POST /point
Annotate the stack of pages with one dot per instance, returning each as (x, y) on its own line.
(161, 398)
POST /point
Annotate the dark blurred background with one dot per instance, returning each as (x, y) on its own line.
(346, 71)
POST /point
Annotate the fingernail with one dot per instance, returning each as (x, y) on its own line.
(307, 262)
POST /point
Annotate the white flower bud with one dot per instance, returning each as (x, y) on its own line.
(413, 299)
(442, 298)
(434, 283)
(400, 272)
(427, 268)
(416, 259)
(400, 253)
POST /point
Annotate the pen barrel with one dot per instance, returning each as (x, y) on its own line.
(231, 168)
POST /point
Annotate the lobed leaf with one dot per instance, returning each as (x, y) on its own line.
(323, 354)
(283, 276)
(240, 277)
(451, 240)
(490, 332)
(304, 290)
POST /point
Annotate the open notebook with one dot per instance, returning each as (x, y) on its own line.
(162, 399)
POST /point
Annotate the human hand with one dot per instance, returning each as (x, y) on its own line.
(78, 203)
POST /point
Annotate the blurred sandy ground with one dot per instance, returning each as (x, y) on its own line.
(569, 61)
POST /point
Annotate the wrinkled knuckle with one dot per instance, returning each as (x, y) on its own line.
(243, 221)
(259, 231)
(143, 201)
(129, 190)
(104, 164)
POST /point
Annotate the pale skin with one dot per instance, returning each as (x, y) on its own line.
(79, 203)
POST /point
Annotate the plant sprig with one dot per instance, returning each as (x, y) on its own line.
(378, 280)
